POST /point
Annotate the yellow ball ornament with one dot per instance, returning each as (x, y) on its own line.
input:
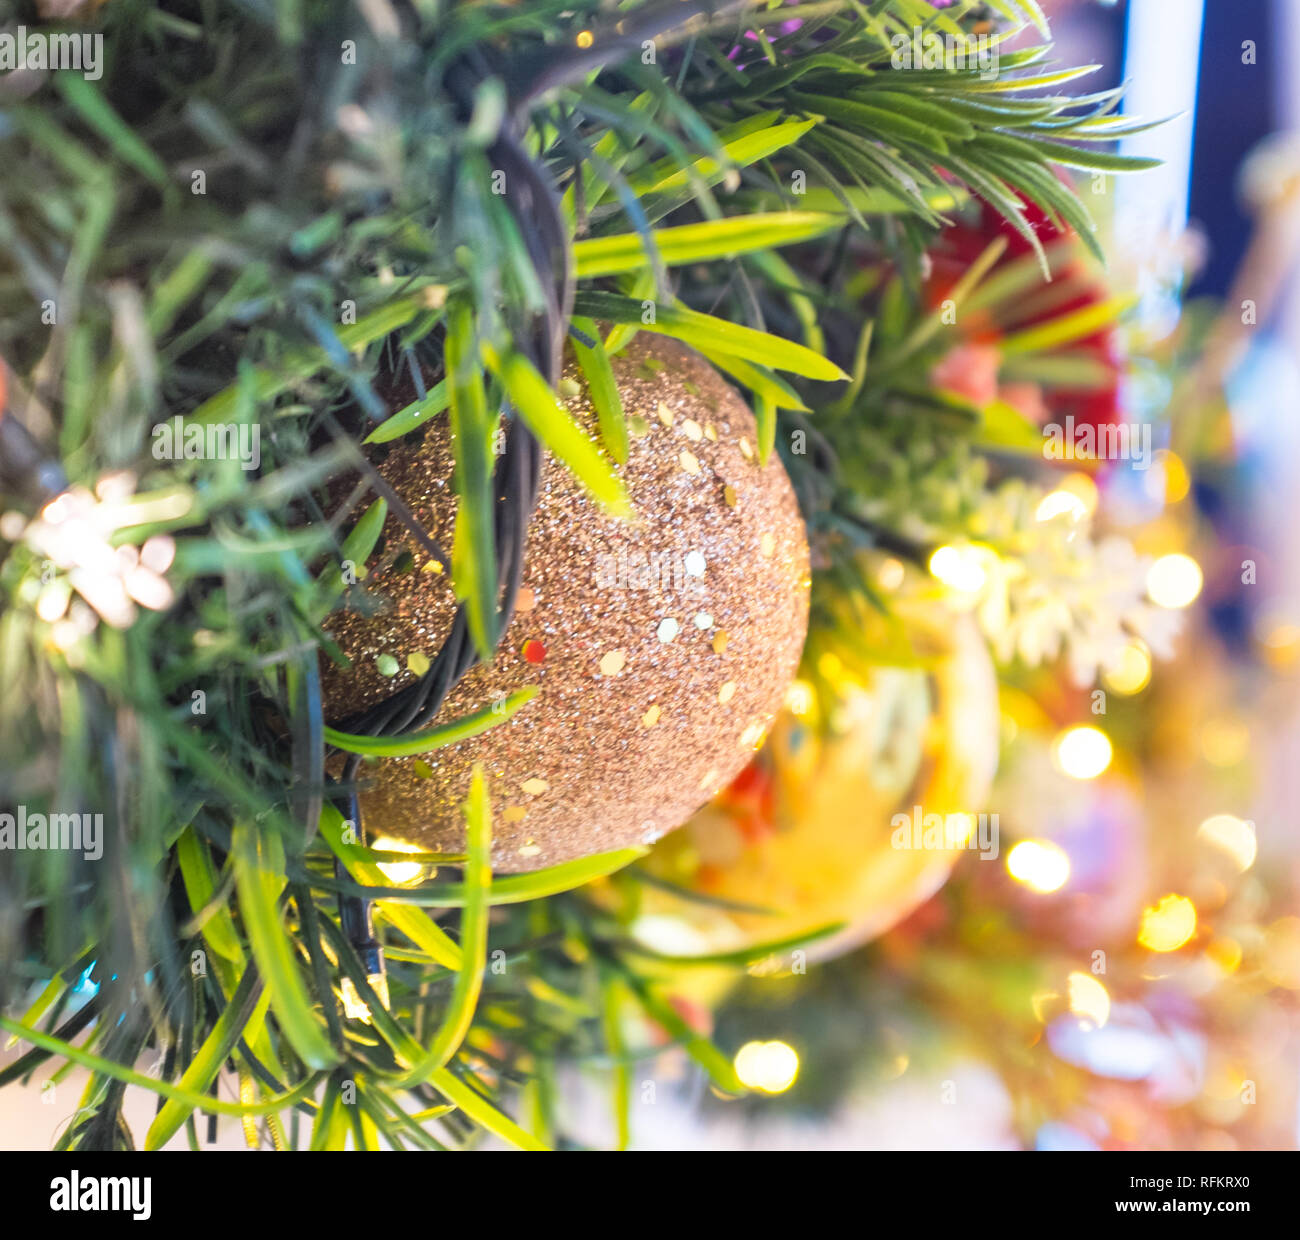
(856, 811)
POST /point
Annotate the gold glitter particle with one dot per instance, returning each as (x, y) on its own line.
(726, 693)
(526, 599)
(745, 450)
(422, 769)
(689, 462)
(767, 545)
(432, 566)
(710, 434)
(639, 427)
(720, 640)
(691, 429)
(668, 629)
(651, 717)
(729, 496)
(515, 813)
(530, 849)
(418, 662)
(613, 662)
(752, 736)
(665, 414)
(534, 787)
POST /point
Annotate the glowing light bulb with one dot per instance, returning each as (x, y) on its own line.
(1168, 924)
(1231, 835)
(398, 872)
(1174, 581)
(1041, 865)
(769, 1067)
(1082, 752)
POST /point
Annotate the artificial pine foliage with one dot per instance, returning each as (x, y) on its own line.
(266, 218)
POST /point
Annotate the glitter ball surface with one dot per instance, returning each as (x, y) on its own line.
(631, 730)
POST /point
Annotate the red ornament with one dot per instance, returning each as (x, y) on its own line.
(1074, 287)
(534, 651)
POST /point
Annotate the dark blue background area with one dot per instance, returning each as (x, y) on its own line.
(1234, 110)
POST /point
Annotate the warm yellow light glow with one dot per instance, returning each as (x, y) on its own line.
(770, 1067)
(891, 573)
(829, 665)
(1174, 580)
(1281, 957)
(585, 39)
(1082, 752)
(1133, 672)
(1041, 865)
(1088, 999)
(958, 829)
(1081, 485)
(1044, 1004)
(1232, 836)
(1167, 925)
(1226, 954)
(398, 872)
(354, 1007)
(799, 698)
(1168, 481)
(963, 568)
(1225, 740)
(1060, 503)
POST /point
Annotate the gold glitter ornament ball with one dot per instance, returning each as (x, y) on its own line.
(661, 646)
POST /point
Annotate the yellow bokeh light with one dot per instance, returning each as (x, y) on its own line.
(830, 667)
(398, 872)
(1225, 954)
(1279, 641)
(770, 1067)
(1281, 962)
(799, 698)
(1082, 752)
(958, 829)
(585, 39)
(1232, 836)
(1132, 673)
(1225, 740)
(1174, 581)
(1080, 485)
(1168, 924)
(1060, 503)
(891, 573)
(1088, 999)
(1168, 481)
(1041, 865)
(962, 568)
